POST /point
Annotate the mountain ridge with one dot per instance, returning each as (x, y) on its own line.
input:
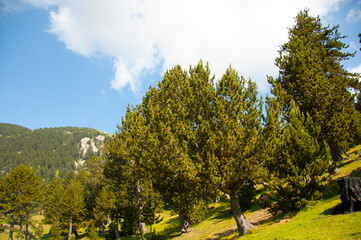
(48, 151)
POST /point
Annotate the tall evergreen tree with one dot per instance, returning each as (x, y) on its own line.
(104, 204)
(20, 192)
(237, 139)
(177, 114)
(122, 169)
(72, 205)
(311, 72)
(54, 192)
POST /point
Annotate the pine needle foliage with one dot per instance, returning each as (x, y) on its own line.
(312, 74)
(302, 163)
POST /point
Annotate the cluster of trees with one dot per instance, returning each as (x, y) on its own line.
(81, 199)
(193, 137)
(50, 151)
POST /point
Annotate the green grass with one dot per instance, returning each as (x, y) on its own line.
(315, 222)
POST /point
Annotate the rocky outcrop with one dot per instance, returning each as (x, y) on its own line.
(350, 195)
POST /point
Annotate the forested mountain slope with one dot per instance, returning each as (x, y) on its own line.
(48, 151)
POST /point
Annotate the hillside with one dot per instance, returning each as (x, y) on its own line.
(313, 222)
(49, 151)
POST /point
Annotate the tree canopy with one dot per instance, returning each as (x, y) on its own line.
(312, 74)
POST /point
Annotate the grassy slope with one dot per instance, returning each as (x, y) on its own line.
(314, 222)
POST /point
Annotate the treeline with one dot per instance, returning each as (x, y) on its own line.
(48, 151)
(193, 139)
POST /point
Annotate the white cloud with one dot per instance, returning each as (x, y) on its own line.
(354, 14)
(140, 34)
(355, 69)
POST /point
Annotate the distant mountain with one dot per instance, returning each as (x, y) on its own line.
(48, 151)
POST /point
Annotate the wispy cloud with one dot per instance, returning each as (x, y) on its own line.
(354, 14)
(141, 34)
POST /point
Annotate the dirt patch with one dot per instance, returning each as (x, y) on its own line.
(256, 218)
(260, 216)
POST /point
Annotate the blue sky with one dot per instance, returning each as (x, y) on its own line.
(80, 62)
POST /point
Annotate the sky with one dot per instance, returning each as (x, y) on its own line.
(82, 62)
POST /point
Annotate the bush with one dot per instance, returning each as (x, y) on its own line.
(199, 213)
(93, 233)
(2, 227)
(56, 231)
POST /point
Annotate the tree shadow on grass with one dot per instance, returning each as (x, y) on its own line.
(225, 234)
(83, 235)
(48, 235)
(172, 228)
(356, 173)
(222, 213)
(45, 236)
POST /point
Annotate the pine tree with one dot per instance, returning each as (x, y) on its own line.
(54, 192)
(312, 75)
(72, 205)
(104, 204)
(237, 139)
(20, 191)
(302, 162)
(152, 205)
(177, 114)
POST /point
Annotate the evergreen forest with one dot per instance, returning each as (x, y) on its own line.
(49, 152)
(193, 142)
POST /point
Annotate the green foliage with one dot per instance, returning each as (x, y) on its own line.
(301, 165)
(2, 228)
(153, 205)
(72, 202)
(57, 232)
(104, 204)
(238, 132)
(130, 220)
(93, 233)
(54, 192)
(246, 196)
(110, 233)
(312, 75)
(20, 196)
(177, 114)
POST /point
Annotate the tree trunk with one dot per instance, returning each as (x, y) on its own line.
(142, 228)
(27, 228)
(243, 224)
(26, 231)
(150, 229)
(20, 228)
(11, 228)
(75, 232)
(185, 223)
(101, 229)
(108, 218)
(336, 154)
(141, 224)
(116, 229)
(70, 226)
